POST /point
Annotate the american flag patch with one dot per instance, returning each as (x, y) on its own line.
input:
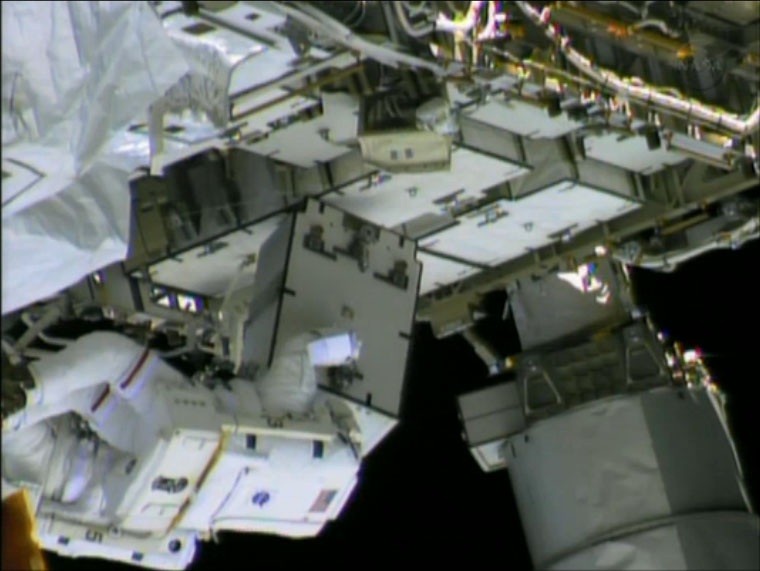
(323, 500)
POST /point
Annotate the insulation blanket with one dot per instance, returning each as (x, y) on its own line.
(74, 75)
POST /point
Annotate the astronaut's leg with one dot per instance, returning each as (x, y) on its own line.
(26, 453)
(112, 366)
(78, 401)
(82, 465)
(70, 467)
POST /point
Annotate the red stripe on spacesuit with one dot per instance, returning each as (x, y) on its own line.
(139, 365)
(101, 399)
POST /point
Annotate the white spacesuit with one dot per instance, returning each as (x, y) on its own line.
(115, 439)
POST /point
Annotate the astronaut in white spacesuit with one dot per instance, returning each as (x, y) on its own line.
(96, 407)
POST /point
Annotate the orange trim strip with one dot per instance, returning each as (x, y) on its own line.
(139, 365)
(101, 399)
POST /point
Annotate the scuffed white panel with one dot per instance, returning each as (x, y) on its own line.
(630, 153)
(396, 199)
(508, 229)
(212, 273)
(437, 272)
(523, 119)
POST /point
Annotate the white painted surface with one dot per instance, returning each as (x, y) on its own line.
(404, 197)
(212, 274)
(523, 118)
(437, 272)
(337, 293)
(630, 153)
(302, 143)
(528, 224)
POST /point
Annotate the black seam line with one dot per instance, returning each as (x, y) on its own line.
(361, 402)
(23, 165)
(31, 169)
(293, 221)
(337, 189)
(454, 258)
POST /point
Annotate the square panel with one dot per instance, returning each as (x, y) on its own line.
(328, 288)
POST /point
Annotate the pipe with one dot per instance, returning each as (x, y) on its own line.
(444, 24)
(321, 23)
(644, 94)
(408, 28)
(651, 23)
(46, 338)
(35, 327)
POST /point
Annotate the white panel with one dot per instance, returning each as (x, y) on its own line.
(301, 143)
(523, 118)
(156, 554)
(402, 197)
(212, 274)
(528, 223)
(630, 153)
(333, 292)
(285, 484)
(437, 272)
(490, 456)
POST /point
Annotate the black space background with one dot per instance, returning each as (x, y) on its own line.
(422, 501)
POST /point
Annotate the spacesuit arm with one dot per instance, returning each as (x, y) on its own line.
(291, 385)
(93, 359)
